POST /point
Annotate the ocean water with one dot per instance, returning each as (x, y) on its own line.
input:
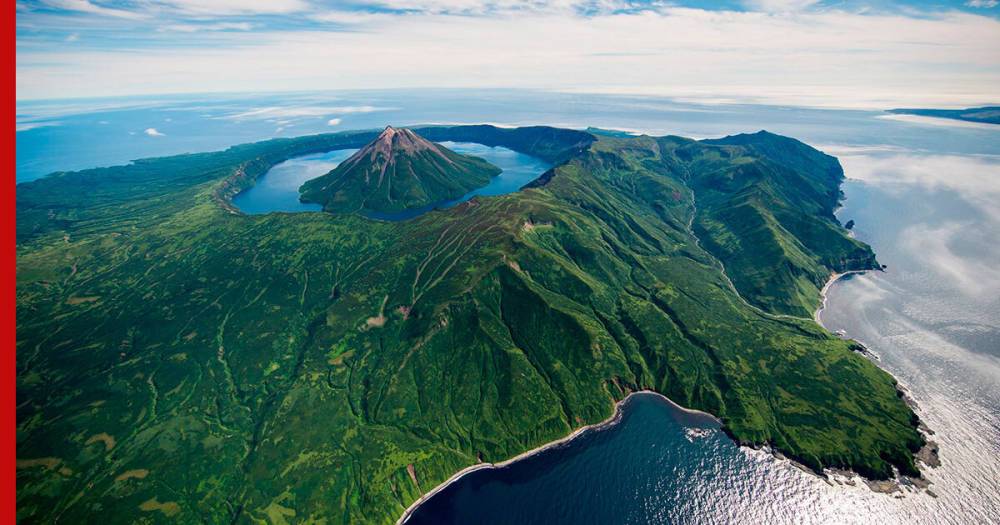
(924, 193)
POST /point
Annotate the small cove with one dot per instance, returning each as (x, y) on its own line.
(658, 464)
(278, 189)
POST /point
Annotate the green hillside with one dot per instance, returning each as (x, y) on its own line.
(396, 171)
(180, 361)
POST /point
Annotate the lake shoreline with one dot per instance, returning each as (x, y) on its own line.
(268, 192)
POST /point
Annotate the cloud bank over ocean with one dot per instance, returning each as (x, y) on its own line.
(844, 55)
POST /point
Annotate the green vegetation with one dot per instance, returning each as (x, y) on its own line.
(396, 171)
(987, 114)
(178, 360)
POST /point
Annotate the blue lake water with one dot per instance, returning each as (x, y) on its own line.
(925, 194)
(278, 189)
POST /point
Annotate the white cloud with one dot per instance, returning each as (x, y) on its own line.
(277, 112)
(982, 4)
(514, 7)
(825, 57)
(25, 126)
(194, 28)
(960, 252)
(838, 150)
(234, 7)
(924, 120)
(779, 6)
(84, 6)
(350, 17)
(976, 179)
(933, 246)
(153, 133)
(333, 122)
(147, 9)
(468, 7)
(73, 37)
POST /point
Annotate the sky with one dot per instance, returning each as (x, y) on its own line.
(852, 53)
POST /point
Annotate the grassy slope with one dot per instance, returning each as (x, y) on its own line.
(765, 210)
(178, 360)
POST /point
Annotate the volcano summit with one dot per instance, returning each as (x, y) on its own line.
(398, 170)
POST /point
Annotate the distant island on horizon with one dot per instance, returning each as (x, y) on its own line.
(984, 115)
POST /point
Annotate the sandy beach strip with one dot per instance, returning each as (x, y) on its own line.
(834, 277)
